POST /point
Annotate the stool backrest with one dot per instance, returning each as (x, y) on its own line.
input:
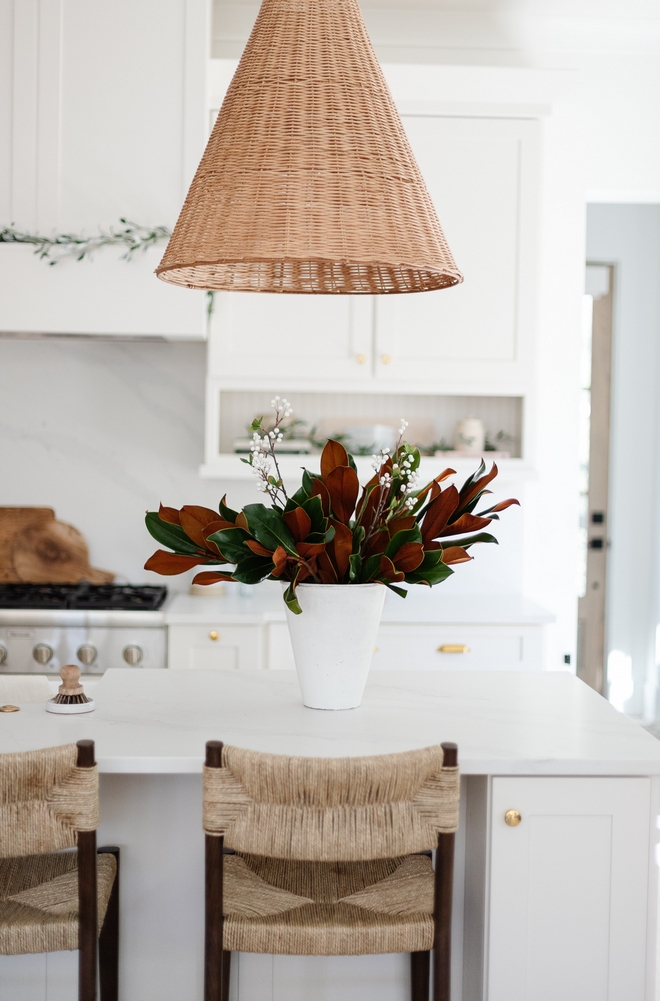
(46, 798)
(329, 809)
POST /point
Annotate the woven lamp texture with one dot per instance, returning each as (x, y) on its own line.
(308, 182)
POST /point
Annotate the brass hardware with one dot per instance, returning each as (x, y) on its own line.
(375, 649)
(360, 359)
(512, 818)
(213, 635)
(453, 648)
(9, 709)
(386, 359)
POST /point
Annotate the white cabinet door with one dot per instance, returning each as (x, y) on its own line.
(568, 889)
(102, 116)
(458, 647)
(264, 336)
(214, 647)
(482, 175)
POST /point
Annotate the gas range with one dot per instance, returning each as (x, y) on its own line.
(97, 626)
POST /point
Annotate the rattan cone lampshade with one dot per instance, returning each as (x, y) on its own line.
(308, 182)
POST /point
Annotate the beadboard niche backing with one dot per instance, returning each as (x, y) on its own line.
(330, 412)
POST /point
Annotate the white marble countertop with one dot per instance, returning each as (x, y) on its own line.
(421, 606)
(505, 723)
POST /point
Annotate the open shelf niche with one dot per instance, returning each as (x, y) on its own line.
(431, 418)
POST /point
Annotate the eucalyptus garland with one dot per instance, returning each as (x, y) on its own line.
(52, 249)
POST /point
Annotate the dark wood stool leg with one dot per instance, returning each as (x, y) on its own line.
(444, 882)
(213, 953)
(109, 938)
(420, 973)
(226, 969)
(87, 896)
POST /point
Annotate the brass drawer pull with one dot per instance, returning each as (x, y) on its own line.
(213, 635)
(453, 648)
(512, 818)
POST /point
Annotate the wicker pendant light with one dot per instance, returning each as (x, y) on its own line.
(308, 182)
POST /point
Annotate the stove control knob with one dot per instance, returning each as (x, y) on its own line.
(42, 653)
(3, 653)
(87, 654)
(132, 655)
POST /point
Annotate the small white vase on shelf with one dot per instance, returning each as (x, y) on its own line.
(333, 641)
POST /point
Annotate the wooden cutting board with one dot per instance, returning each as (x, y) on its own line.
(36, 548)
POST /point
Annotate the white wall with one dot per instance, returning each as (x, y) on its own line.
(102, 431)
(628, 236)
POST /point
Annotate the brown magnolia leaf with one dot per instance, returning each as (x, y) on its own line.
(169, 514)
(400, 525)
(334, 454)
(433, 486)
(340, 548)
(319, 489)
(438, 513)
(409, 556)
(376, 544)
(502, 506)
(299, 523)
(215, 526)
(343, 486)
(309, 549)
(325, 568)
(280, 558)
(241, 522)
(170, 564)
(257, 548)
(194, 520)
(388, 570)
(454, 554)
(210, 577)
(466, 523)
(477, 487)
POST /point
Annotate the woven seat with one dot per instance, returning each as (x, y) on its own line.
(39, 901)
(328, 908)
(330, 858)
(53, 897)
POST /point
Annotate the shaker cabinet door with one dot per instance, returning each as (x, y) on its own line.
(482, 175)
(102, 116)
(568, 889)
(265, 336)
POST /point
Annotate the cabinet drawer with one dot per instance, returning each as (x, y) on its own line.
(213, 647)
(420, 647)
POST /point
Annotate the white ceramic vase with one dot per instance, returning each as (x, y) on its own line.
(333, 641)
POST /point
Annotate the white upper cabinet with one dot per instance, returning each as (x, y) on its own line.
(264, 336)
(102, 116)
(482, 176)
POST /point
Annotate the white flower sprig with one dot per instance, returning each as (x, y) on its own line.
(262, 453)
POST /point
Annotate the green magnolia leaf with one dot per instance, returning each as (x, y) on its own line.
(269, 528)
(400, 539)
(291, 600)
(351, 462)
(401, 591)
(330, 534)
(297, 500)
(431, 571)
(314, 509)
(227, 512)
(358, 537)
(469, 540)
(253, 569)
(370, 568)
(354, 568)
(256, 424)
(308, 481)
(172, 536)
(231, 543)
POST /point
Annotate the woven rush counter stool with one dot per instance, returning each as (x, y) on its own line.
(52, 899)
(330, 857)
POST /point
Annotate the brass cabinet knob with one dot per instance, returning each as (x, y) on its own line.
(360, 359)
(213, 635)
(512, 818)
(453, 648)
(386, 359)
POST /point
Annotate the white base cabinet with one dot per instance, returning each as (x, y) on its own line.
(569, 889)
(214, 647)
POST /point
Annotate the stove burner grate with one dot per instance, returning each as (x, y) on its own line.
(83, 596)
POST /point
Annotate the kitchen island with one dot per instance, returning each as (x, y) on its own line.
(561, 906)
